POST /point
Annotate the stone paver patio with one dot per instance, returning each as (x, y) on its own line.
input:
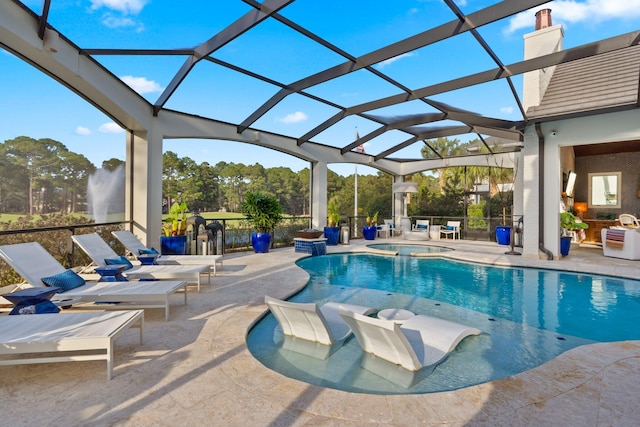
(196, 369)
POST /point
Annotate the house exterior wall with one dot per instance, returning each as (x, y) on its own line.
(612, 127)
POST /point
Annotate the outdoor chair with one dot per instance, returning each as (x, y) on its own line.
(33, 263)
(421, 225)
(308, 321)
(451, 229)
(384, 229)
(421, 341)
(101, 254)
(628, 221)
(135, 246)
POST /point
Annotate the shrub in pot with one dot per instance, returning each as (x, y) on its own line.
(370, 230)
(569, 223)
(332, 231)
(264, 212)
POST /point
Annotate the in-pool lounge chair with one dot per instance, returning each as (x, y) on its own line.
(135, 246)
(421, 341)
(33, 262)
(99, 251)
(310, 322)
(75, 336)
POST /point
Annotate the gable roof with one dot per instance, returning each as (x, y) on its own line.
(592, 85)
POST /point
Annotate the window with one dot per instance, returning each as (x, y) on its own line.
(604, 189)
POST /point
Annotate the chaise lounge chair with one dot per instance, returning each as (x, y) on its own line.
(99, 251)
(135, 246)
(421, 341)
(33, 263)
(77, 336)
(310, 322)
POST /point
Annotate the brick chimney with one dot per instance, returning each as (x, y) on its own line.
(544, 40)
(543, 19)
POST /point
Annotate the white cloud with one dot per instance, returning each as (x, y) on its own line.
(110, 21)
(81, 130)
(296, 117)
(123, 6)
(110, 128)
(594, 11)
(390, 61)
(141, 84)
(506, 110)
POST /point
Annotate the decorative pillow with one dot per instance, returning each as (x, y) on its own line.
(65, 281)
(147, 251)
(449, 227)
(119, 261)
(421, 226)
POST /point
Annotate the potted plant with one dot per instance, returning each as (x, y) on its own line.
(264, 212)
(332, 231)
(568, 223)
(174, 228)
(370, 230)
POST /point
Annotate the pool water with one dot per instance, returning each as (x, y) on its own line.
(407, 249)
(527, 316)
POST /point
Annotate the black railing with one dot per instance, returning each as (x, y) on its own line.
(236, 235)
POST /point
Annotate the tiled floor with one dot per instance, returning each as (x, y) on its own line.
(196, 370)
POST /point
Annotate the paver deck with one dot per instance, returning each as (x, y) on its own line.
(196, 369)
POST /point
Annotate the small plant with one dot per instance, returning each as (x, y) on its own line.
(372, 219)
(176, 223)
(568, 222)
(263, 211)
(333, 213)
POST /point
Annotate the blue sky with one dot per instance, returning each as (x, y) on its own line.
(36, 106)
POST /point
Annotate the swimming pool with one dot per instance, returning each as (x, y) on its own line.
(408, 249)
(527, 316)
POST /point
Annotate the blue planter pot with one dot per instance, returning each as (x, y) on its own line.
(565, 245)
(503, 235)
(261, 242)
(173, 245)
(369, 232)
(332, 235)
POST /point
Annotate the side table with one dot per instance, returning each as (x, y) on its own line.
(33, 301)
(398, 315)
(148, 259)
(111, 273)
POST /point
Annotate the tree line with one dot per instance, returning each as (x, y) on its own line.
(40, 176)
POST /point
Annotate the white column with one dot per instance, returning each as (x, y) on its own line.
(144, 185)
(518, 188)
(552, 191)
(398, 201)
(531, 192)
(318, 195)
